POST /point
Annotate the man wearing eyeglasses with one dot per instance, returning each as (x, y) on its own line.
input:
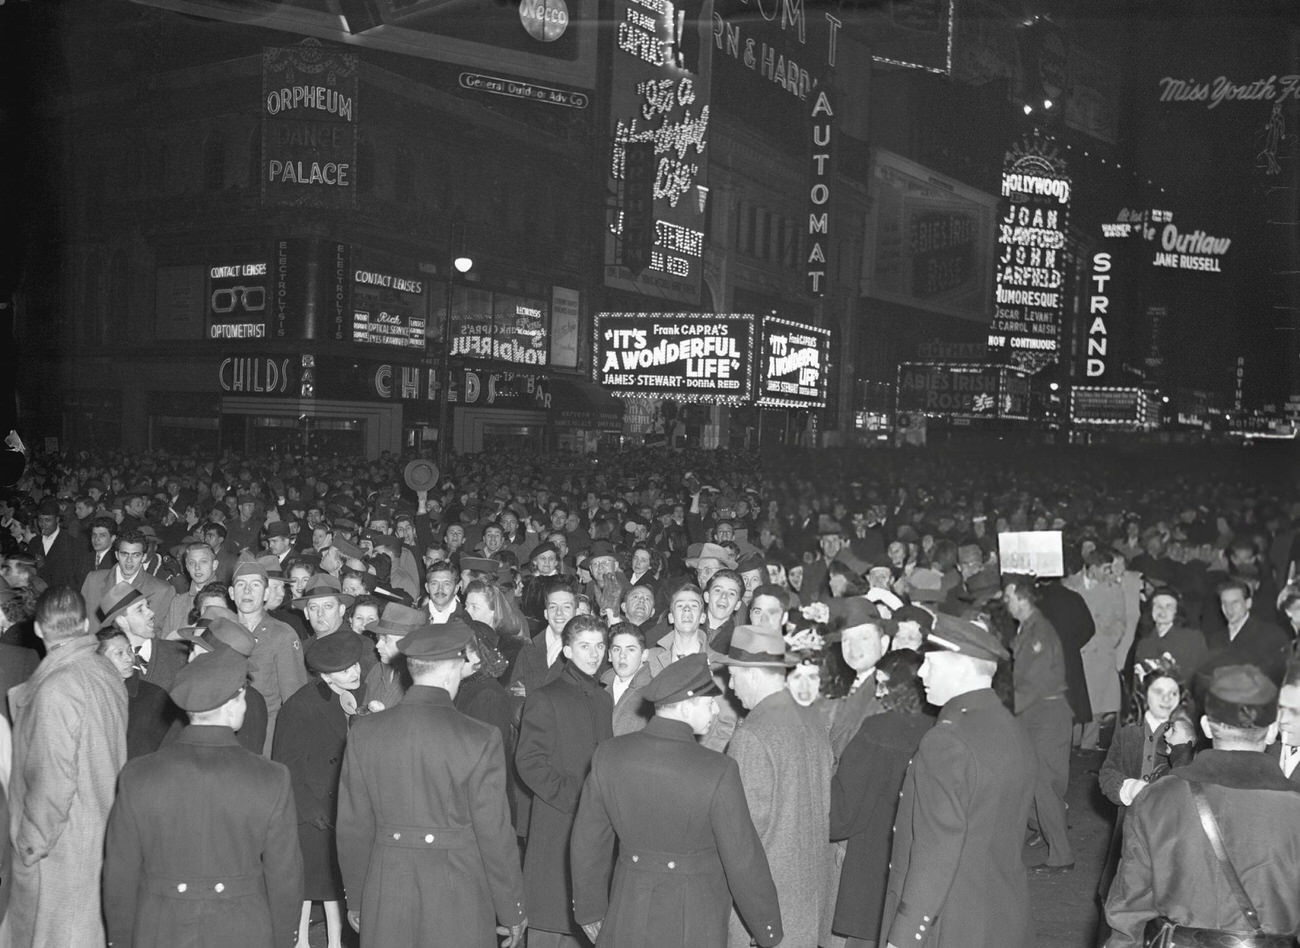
(129, 552)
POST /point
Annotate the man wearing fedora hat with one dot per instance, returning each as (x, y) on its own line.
(1212, 851)
(157, 660)
(424, 836)
(686, 845)
(785, 764)
(202, 843)
(957, 878)
(387, 682)
(863, 637)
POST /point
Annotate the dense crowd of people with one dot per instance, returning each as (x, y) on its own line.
(654, 698)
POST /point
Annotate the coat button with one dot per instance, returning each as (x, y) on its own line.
(672, 865)
(219, 888)
(428, 838)
(181, 887)
(636, 858)
(397, 836)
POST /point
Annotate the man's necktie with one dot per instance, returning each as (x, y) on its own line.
(141, 664)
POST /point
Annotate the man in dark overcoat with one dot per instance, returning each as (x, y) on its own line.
(563, 722)
(957, 879)
(687, 847)
(1169, 871)
(202, 844)
(428, 854)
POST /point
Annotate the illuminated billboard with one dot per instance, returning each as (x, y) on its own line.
(390, 304)
(1031, 258)
(659, 98)
(501, 327)
(930, 240)
(309, 127)
(793, 369)
(1112, 407)
(963, 390)
(691, 357)
(237, 302)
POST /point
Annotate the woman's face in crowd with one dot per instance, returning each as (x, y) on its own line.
(362, 616)
(479, 608)
(897, 553)
(640, 561)
(1163, 610)
(1163, 696)
(805, 683)
(907, 636)
(795, 577)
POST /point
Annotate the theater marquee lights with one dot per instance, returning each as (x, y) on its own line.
(689, 357)
(794, 370)
(659, 94)
(1030, 270)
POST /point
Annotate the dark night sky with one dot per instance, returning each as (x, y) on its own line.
(1206, 158)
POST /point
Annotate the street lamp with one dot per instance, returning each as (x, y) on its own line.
(461, 262)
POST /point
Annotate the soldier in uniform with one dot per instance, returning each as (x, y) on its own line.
(1170, 878)
(687, 847)
(202, 844)
(1038, 676)
(424, 836)
(957, 879)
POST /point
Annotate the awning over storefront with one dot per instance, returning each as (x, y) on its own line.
(576, 403)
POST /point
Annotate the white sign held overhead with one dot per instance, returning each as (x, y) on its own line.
(1036, 552)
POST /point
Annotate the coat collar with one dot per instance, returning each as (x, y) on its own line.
(210, 734)
(976, 700)
(427, 694)
(65, 652)
(674, 730)
(579, 677)
(1239, 770)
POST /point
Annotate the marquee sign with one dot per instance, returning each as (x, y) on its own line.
(659, 98)
(389, 301)
(793, 370)
(309, 126)
(1031, 264)
(691, 357)
(237, 302)
(963, 390)
(1110, 406)
(929, 241)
